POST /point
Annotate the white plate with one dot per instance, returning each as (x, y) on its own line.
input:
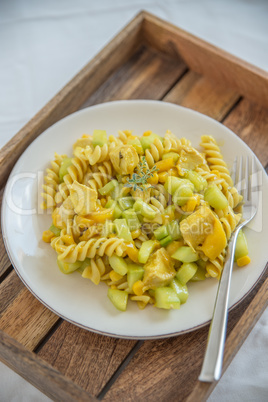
(78, 300)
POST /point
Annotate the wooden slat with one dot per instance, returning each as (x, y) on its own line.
(9, 290)
(27, 320)
(250, 121)
(146, 75)
(40, 374)
(206, 59)
(201, 94)
(243, 327)
(74, 94)
(86, 358)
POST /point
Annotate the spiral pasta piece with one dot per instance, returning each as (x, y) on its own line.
(95, 270)
(229, 220)
(98, 154)
(51, 180)
(154, 153)
(215, 158)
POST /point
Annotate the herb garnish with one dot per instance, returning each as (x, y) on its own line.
(140, 178)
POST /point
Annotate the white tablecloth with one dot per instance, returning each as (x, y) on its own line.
(44, 43)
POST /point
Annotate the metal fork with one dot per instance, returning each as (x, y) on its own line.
(212, 364)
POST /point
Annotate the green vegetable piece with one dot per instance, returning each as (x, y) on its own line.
(55, 230)
(117, 210)
(132, 219)
(201, 264)
(64, 168)
(165, 242)
(119, 298)
(215, 197)
(173, 183)
(186, 272)
(144, 209)
(181, 290)
(99, 138)
(174, 230)
(146, 250)
(182, 194)
(161, 232)
(200, 275)
(185, 254)
(118, 264)
(126, 202)
(198, 181)
(68, 268)
(134, 274)
(122, 229)
(166, 298)
(84, 264)
(137, 145)
(108, 187)
(173, 155)
(241, 248)
(148, 140)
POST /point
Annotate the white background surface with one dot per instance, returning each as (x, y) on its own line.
(42, 46)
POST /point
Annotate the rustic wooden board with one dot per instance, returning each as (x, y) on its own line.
(149, 59)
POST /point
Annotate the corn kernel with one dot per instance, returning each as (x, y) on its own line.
(138, 288)
(85, 136)
(243, 261)
(135, 233)
(47, 236)
(173, 172)
(103, 202)
(165, 164)
(114, 276)
(113, 287)
(162, 177)
(147, 133)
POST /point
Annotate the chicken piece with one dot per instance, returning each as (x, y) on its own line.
(159, 270)
(203, 231)
(124, 159)
(189, 159)
(84, 199)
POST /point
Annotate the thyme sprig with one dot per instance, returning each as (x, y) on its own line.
(141, 176)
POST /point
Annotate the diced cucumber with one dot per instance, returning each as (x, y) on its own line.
(166, 298)
(99, 138)
(198, 181)
(84, 264)
(145, 251)
(166, 241)
(132, 219)
(182, 194)
(108, 187)
(146, 141)
(108, 228)
(215, 197)
(118, 264)
(200, 275)
(137, 145)
(126, 202)
(161, 232)
(181, 290)
(186, 272)
(122, 229)
(64, 167)
(55, 230)
(119, 298)
(173, 155)
(144, 209)
(185, 254)
(135, 273)
(241, 248)
(173, 183)
(67, 268)
(174, 230)
(117, 210)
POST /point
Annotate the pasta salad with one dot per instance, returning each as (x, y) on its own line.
(144, 214)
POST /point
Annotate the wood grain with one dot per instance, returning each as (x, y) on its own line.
(10, 288)
(40, 374)
(199, 93)
(146, 75)
(4, 260)
(27, 320)
(74, 94)
(250, 122)
(206, 59)
(86, 358)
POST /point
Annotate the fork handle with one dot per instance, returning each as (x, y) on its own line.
(212, 364)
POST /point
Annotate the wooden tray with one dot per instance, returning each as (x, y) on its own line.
(148, 59)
